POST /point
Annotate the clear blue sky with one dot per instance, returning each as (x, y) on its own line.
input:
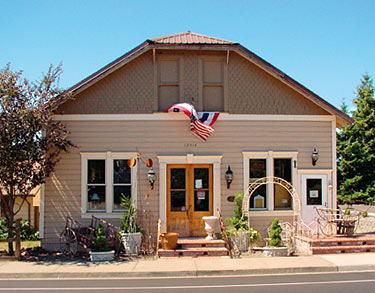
(326, 45)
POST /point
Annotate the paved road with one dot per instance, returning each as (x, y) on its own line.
(327, 282)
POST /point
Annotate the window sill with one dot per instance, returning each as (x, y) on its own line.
(263, 213)
(116, 215)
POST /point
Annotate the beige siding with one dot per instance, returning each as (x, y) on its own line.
(27, 210)
(133, 89)
(154, 138)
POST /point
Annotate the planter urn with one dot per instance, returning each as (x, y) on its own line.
(275, 251)
(131, 242)
(102, 255)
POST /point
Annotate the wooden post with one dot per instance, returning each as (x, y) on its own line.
(158, 239)
(225, 236)
(18, 239)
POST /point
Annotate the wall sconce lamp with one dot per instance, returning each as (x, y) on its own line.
(314, 157)
(151, 177)
(229, 176)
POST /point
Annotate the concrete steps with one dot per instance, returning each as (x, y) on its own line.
(343, 249)
(196, 247)
(338, 244)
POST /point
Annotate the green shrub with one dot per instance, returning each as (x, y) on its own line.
(239, 222)
(275, 234)
(100, 242)
(28, 232)
(129, 219)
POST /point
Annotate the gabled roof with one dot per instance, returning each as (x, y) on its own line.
(192, 41)
(189, 38)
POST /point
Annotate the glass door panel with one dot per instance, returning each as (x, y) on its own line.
(178, 190)
(201, 190)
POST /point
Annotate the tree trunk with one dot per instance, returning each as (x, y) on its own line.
(10, 234)
(10, 220)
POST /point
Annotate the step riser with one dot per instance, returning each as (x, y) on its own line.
(184, 246)
(341, 243)
(196, 248)
(191, 254)
(338, 250)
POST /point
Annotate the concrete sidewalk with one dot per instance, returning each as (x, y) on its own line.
(193, 267)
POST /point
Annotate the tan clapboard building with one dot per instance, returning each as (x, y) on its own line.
(269, 125)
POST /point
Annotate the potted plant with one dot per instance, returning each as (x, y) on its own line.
(275, 245)
(242, 237)
(101, 251)
(131, 234)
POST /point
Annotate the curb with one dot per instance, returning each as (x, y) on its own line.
(196, 273)
(356, 268)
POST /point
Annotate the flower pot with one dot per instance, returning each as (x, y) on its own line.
(275, 251)
(169, 240)
(210, 223)
(131, 242)
(240, 241)
(102, 255)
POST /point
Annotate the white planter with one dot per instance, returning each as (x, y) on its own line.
(102, 255)
(210, 223)
(275, 251)
(131, 242)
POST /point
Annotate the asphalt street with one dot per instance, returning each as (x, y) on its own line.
(318, 282)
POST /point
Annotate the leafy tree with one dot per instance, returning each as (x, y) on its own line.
(356, 148)
(30, 141)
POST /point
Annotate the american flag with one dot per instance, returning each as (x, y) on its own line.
(200, 123)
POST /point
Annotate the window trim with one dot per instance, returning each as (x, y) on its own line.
(269, 156)
(108, 157)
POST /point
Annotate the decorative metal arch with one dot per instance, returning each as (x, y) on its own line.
(275, 180)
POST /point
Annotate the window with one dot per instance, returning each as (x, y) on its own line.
(258, 169)
(282, 168)
(96, 185)
(106, 177)
(121, 182)
(314, 191)
(213, 85)
(168, 90)
(264, 164)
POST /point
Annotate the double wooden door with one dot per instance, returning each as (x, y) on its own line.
(189, 198)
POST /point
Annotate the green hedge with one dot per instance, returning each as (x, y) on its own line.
(28, 232)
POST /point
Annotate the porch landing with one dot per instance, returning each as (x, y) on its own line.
(196, 247)
(335, 244)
